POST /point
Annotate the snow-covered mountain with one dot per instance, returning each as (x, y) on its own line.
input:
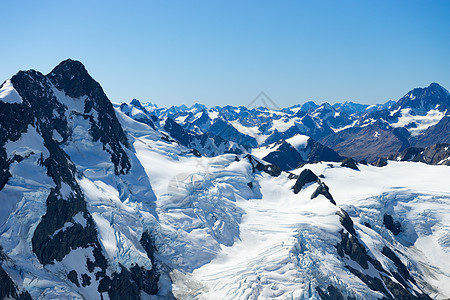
(132, 201)
(77, 208)
(418, 119)
(291, 153)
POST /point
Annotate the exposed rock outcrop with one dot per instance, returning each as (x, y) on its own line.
(394, 226)
(305, 177)
(323, 189)
(350, 163)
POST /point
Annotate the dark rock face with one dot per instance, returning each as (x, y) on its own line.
(323, 189)
(73, 276)
(289, 158)
(436, 154)
(373, 283)
(14, 120)
(145, 117)
(381, 162)
(49, 246)
(369, 142)
(350, 163)
(433, 155)
(319, 152)
(438, 133)
(178, 132)
(190, 140)
(346, 221)
(227, 132)
(286, 157)
(122, 286)
(147, 279)
(394, 226)
(272, 170)
(332, 293)
(8, 290)
(409, 154)
(352, 248)
(39, 105)
(305, 177)
(402, 269)
(36, 93)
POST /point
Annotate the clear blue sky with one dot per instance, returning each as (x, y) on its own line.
(226, 52)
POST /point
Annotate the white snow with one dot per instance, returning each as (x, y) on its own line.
(80, 219)
(283, 124)
(250, 131)
(423, 122)
(298, 141)
(65, 190)
(28, 143)
(181, 119)
(344, 127)
(73, 105)
(213, 114)
(8, 94)
(262, 152)
(56, 136)
(285, 245)
(225, 231)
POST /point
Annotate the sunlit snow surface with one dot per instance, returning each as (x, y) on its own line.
(223, 231)
(227, 240)
(418, 123)
(8, 94)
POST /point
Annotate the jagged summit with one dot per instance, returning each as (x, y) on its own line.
(72, 77)
(432, 97)
(436, 86)
(130, 201)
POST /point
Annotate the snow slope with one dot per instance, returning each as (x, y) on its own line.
(8, 94)
(223, 227)
(283, 245)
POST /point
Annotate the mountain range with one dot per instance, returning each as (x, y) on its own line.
(363, 132)
(103, 200)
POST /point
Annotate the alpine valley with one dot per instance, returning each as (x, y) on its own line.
(102, 200)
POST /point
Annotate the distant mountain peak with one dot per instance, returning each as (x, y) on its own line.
(71, 67)
(309, 105)
(424, 99)
(198, 106)
(136, 102)
(72, 77)
(437, 87)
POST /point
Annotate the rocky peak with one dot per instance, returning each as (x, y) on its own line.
(72, 77)
(136, 103)
(436, 87)
(310, 105)
(432, 97)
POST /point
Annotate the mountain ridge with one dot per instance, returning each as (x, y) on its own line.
(123, 201)
(407, 122)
